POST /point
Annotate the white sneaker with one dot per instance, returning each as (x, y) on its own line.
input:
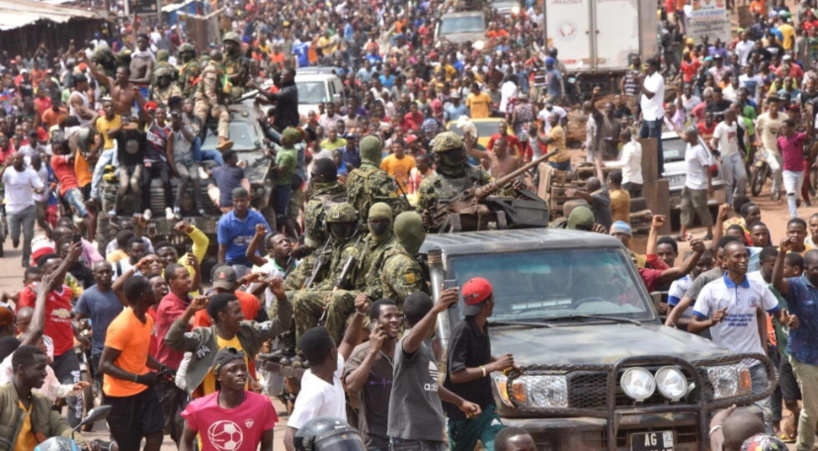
(203, 174)
(147, 214)
(169, 214)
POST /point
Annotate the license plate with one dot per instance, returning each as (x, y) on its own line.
(676, 180)
(652, 441)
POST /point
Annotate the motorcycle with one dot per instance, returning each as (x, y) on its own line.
(759, 173)
(69, 444)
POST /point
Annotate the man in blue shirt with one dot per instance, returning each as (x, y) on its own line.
(101, 304)
(301, 50)
(801, 294)
(236, 229)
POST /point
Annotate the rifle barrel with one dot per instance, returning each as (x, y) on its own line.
(495, 185)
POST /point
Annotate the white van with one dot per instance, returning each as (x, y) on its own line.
(316, 85)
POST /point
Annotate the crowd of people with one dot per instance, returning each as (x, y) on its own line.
(176, 329)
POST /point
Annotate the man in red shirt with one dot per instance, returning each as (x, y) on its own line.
(514, 145)
(412, 119)
(42, 103)
(63, 165)
(59, 325)
(171, 307)
(707, 127)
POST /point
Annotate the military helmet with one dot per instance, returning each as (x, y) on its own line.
(232, 36)
(341, 213)
(187, 47)
(446, 141)
(162, 71)
(326, 433)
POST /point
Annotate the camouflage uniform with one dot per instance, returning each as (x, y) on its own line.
(309, 304)
(209, 98)
(401, 275)
(440, 186)
(324, 196)
(189, 71)
(162, 63)
(370, 184)
(236, 63)
(162, 95)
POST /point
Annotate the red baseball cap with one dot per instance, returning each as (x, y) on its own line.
(475, 292)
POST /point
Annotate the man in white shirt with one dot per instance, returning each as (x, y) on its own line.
(547, 111)
(630, 162)
(698, 183)
(322, 392)
(730, 306)
(725, 138)
(768, 126)
(508, 91)
(21, 183)
(743, 48)
(652, 86)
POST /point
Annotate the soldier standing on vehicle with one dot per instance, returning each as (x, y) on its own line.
(453, 175)
(211, 99)
(470, 365)
(326, 191)
(402, 274)
(190, 70)
(369, 183)
(164, 86)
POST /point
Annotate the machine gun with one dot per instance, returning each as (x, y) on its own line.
(470, 210)
(318, 264)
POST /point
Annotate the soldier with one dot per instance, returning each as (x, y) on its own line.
(236, 65)
(343, 222)
(210, 98)
(453, 175)
(369, 183)
(190, 69)
(402, 274)
(326, 191)
(164, 87)
(162, 57)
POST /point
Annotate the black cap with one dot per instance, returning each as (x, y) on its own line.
(239, 193)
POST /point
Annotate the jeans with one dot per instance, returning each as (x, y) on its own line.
(792, 184)
(653, 129)
(199, 155)
(160, 167)
(808, 382)
(107, 157)
(759, 380)
(775, 160)
(733, 171)
(75, 199)
(26, 218)
(281, 199)
(67, 369)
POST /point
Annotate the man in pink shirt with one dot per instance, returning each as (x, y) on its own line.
(231, 418)
(791, 145)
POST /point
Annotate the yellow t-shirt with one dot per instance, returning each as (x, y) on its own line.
(479, 105)
(557, 135)
(209, 382)
(26, 441)
(620, 205)
(399, 169)
(789, 36)
(116, 256)
(104, 125)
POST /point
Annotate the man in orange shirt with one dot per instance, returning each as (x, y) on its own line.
(51, 116)
(758, 7)
(128, 380)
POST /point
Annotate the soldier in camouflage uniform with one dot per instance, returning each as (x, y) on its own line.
(236, 65)
(211, 98)
(164, 87)
(402, 274)
(162, 58)
(190, 69)
(326, 191)
(453, 174)
(370, 184)
(308, 305)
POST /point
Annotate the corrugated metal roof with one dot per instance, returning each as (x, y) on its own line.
(19, 13)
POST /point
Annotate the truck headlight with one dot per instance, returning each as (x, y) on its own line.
(638, 383)
(534, 391)
(478, 45)
(671, 382)
(729, 380)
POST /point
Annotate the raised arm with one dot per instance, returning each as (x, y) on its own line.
(677, 272)
(425, 326)
(779, 282)
(353, 333)
(258, 260)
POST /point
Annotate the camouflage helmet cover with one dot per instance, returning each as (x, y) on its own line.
(342, 213)
(446, 141)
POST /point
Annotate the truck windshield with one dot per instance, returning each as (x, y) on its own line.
(311, 92)
(545, 284)
(241, 133)
(462, 24)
